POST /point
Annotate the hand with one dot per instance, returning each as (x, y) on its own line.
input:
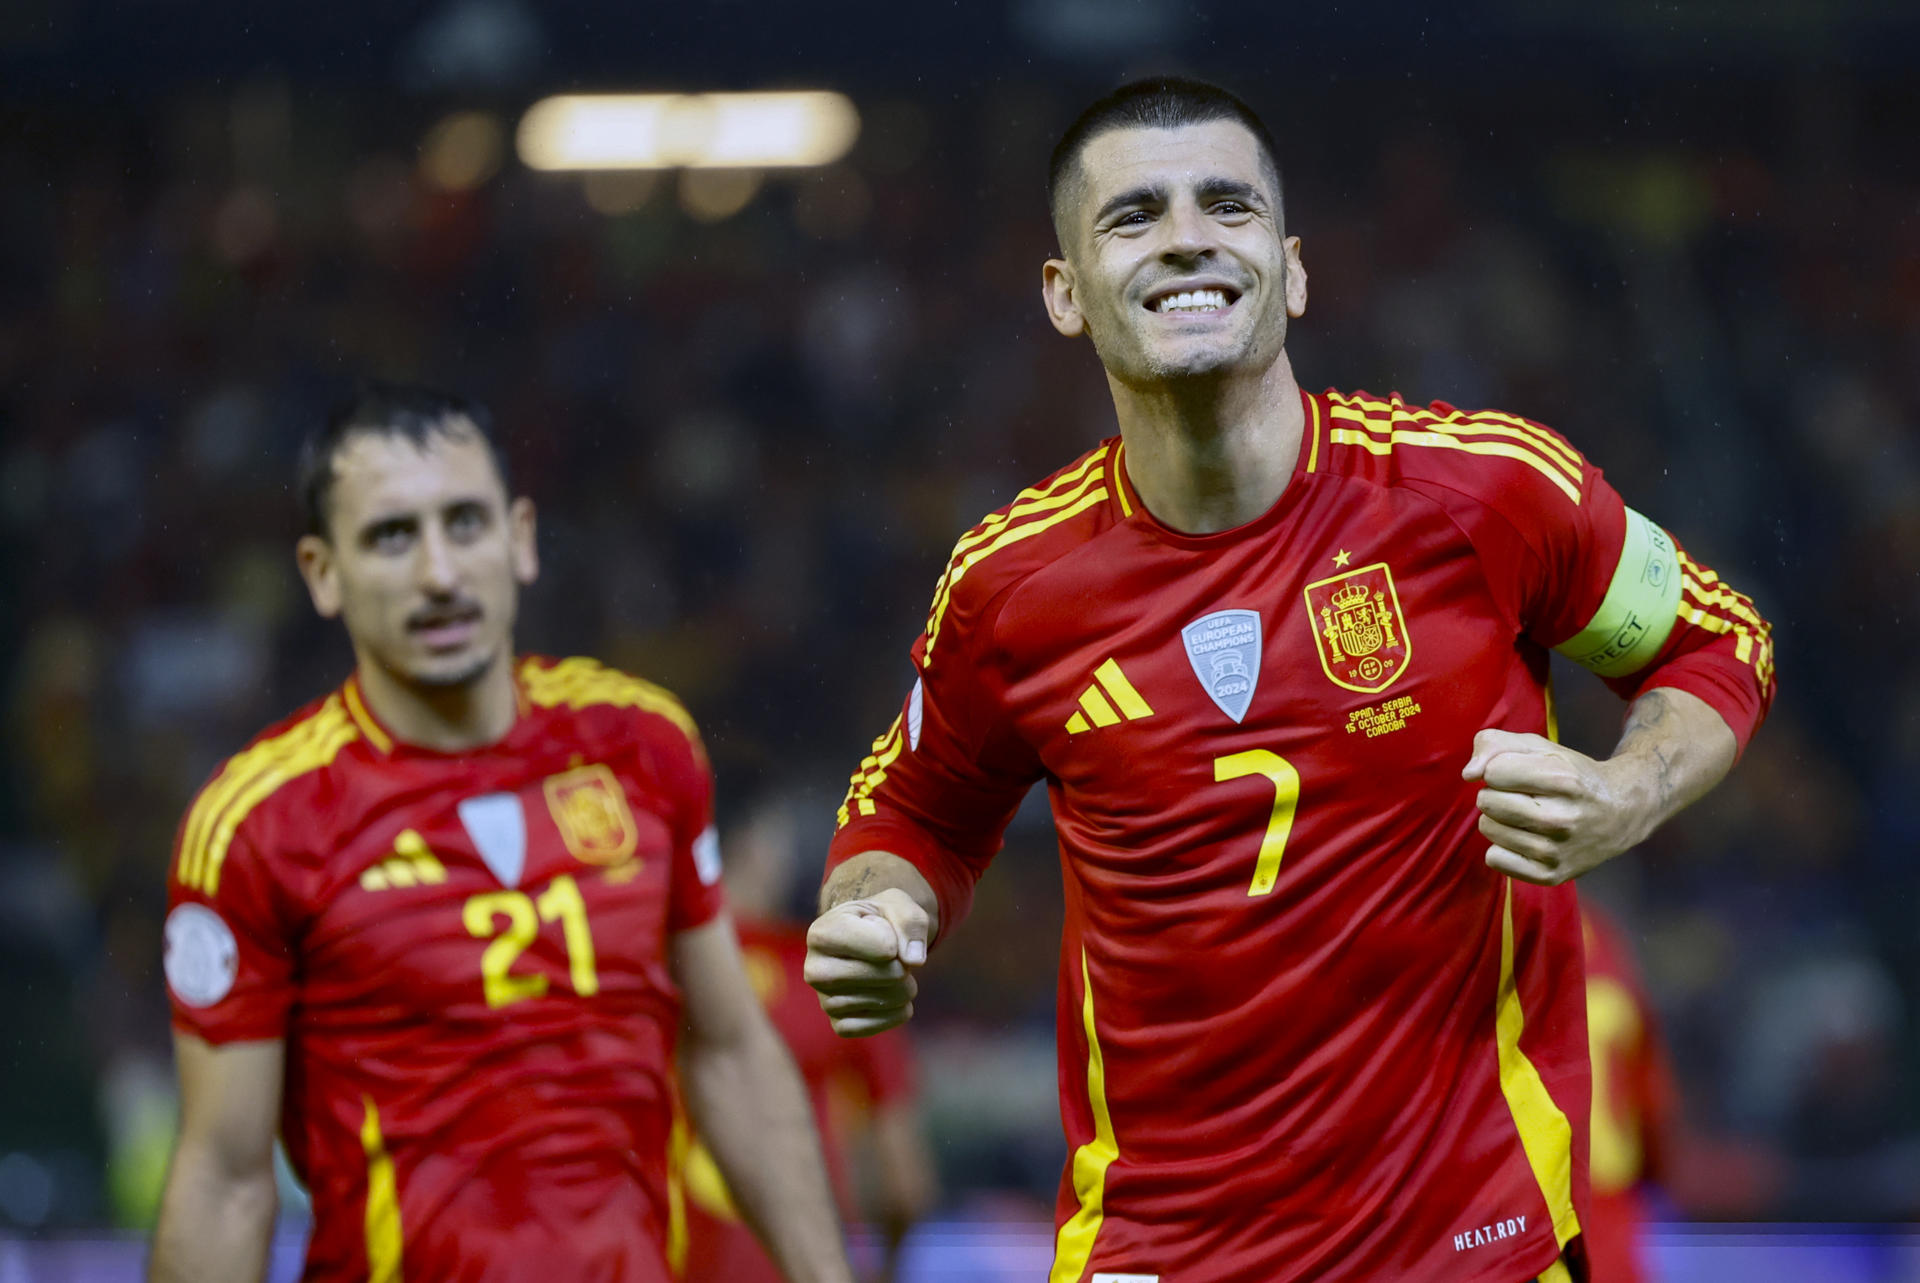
(861, 956)
(1551, 813)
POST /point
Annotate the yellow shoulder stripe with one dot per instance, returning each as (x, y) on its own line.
(1058, 492)
(582, 683)
(871, 773)
(1752, 645)
(1487, 422)
(974, 548)
(1376, 434)
(1481, 421)
(1712, 591)
(249, 779)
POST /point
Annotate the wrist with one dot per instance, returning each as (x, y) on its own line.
(1634, 783)
(870, 873)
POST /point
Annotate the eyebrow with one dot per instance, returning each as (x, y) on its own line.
(1132, 196)
(1209, 189)
(1217, 188)
(387, 521)
(412, 516)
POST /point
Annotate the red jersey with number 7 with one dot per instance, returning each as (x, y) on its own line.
(1304, 1031)
(466, 955)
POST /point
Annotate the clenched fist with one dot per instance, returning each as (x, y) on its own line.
(1551, 813)
(861, 956)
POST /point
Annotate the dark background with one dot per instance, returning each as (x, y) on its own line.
(1687, 235)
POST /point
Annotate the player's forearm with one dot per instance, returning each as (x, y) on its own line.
(908, 1184)
(1674, 750)
(869, 873)
(749, 1108)
(215, 1224)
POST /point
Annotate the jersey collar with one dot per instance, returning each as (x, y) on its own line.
(382, 740)
(1130, 508)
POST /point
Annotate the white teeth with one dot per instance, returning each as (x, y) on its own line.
(1193, 301)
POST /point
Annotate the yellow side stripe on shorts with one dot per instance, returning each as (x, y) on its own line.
(1073, 1247)
(383, 1201)
(1546, 1137)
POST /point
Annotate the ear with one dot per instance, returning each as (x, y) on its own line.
(1056, 291)
(1296, 279)
(523, 546)
(314, 556)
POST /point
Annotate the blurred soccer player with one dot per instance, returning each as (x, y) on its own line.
(1281, 659)
(1635, 1103)
(862, 1089)
(442, 929)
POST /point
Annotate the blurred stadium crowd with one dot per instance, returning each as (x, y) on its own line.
(756, 411)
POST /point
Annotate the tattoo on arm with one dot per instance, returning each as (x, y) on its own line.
(858, 887)
(1649, 711)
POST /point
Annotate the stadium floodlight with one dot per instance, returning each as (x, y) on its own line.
(688, 131)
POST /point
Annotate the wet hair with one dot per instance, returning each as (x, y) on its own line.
(411, 411)
(1162, 102)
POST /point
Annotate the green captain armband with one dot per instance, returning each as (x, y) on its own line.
(1641, 606)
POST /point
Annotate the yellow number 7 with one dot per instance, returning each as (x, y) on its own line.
(1286, 796)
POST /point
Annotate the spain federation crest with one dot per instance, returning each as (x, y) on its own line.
(1224, 649)
(590, 809)
(1358, 629)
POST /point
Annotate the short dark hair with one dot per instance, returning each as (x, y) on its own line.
(379, 408)
(1160, 102)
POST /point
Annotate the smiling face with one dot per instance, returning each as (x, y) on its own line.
(423, 557)
(1177, 265)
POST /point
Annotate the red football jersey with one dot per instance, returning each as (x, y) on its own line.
(466, 955)
(1304, 1031)
(842, 1076)
(1634, 1100)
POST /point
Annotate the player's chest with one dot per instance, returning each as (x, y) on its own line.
(452, 890)
(1370, 635)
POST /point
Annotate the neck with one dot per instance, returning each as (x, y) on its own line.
(447, 719)
(1211, 454)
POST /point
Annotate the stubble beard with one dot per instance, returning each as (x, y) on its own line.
(1135, 364)
(1142, 368)
(468, 674)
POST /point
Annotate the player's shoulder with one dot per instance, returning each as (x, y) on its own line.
(603, 707)
(1490, 455)
(1041, 524)
(265, 783)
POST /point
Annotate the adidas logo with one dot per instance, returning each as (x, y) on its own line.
(1110, 699)
(410, 865)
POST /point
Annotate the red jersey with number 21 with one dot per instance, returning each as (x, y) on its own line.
(1305, 1033)
(466, 955)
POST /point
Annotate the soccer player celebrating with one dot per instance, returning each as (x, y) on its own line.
(1281, 659)
(443, 929)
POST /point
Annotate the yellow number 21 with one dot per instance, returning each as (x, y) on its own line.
(561, 900)
(1286, 796)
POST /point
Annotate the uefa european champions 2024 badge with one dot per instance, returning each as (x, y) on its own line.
(1224, 649)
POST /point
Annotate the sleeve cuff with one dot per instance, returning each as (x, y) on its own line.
(951, 880)
(1723, 683)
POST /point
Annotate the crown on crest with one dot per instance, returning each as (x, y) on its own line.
(1349, 597)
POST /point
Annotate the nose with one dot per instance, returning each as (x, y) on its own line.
(1189, 232)
(437, 572)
